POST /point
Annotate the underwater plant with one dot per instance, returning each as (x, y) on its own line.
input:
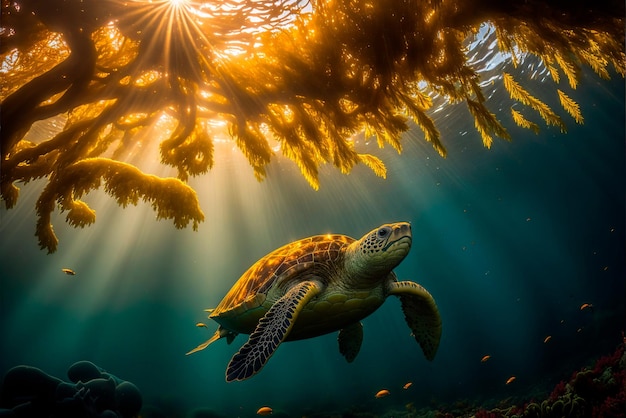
(110, 77)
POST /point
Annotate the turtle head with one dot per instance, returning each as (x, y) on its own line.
(378, 252)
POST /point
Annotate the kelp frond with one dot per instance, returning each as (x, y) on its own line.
(520, 94)
(375, 164)
(520, 120)
(298, 78)
(169, 197)
(486, 123)
(570, 106)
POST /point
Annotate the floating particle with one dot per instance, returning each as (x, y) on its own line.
(382, 393)
(585, 306)
(548, 338)
(69, 272)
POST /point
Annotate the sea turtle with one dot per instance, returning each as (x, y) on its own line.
(319, 285)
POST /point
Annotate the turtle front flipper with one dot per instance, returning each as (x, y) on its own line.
(421, 314)
(220, 333)
(271, 330)
(350, 339)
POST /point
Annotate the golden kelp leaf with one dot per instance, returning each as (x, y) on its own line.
(596, 62)
(386, 137)
(80, 214)
(169, 197)
(570, 106)
(10, 193)
(568, 68)
(523, 122)
(427, 125)
(554, 72)
(192, 156)
(307, 166)
(486, 123)
(374, 163)
(517, 92)
(114, 50)
(48, 44)
(390, 130)
(254, 146)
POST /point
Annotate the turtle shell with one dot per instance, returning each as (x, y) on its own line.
(313, 255)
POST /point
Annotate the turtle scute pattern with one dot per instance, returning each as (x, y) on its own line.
(262, 275)
(271, 331)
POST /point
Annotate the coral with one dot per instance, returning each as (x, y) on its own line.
(609, 361)
(28, 392)
(299, 77)
(483, 413)
(598, 391)
(558, 391)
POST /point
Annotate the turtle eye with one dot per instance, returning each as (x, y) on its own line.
(383, 232)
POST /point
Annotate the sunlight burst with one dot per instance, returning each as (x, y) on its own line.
(178, 3)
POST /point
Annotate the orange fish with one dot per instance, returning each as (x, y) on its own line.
(510, 380)
(484, 359)
(585, 306)
(69, 272)
(382, 393)
(264, 410)
(407, 385)
(548, 338)
(201, 324)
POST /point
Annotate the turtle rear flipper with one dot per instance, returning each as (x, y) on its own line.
(350, 339)
(271, 330)
(421, 314)
(220, 333)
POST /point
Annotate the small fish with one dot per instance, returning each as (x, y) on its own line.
(264, 410)
(201, 325)
(407, 385)
(510, 380)
(585, 306)
(382, 393)
(69, 272)
(484, 359)
(548, 338)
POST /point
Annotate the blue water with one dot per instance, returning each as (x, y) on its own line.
(510, 241)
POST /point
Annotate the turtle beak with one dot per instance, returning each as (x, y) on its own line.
(401, 232)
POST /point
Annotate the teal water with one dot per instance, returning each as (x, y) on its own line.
(510, 241)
